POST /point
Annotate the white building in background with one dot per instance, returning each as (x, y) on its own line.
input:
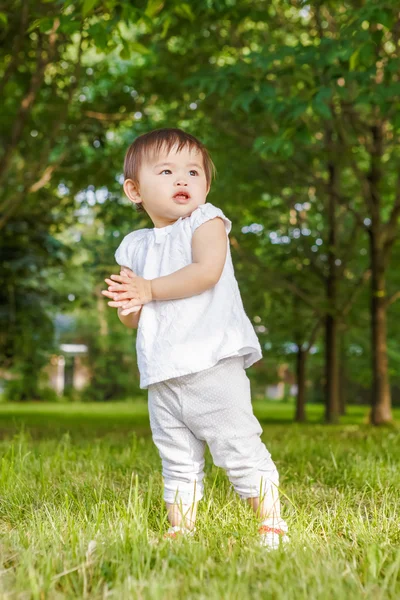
(275, 391)
(284, 386)
(67, 369)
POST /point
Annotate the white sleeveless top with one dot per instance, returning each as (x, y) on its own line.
(178, 337)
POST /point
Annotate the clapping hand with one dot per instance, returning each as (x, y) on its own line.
(128, 291)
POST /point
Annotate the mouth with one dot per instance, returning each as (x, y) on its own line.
(181, 197)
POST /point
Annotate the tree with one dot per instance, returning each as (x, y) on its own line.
(336, 83)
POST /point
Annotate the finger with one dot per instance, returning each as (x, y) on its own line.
(119, 278)
(128, 272)
(128, 296)
(118, 288)
(125, 268)
(111, 282)
(115, 297)
(108, 294)
(130, 302)
(115, 304)
(121, 301)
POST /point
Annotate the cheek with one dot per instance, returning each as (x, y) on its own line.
(202, 186)
(155, 186)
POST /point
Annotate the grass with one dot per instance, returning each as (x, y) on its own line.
(81, 512)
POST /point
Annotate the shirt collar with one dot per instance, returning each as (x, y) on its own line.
(160, 233)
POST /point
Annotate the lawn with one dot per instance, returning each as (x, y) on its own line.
(82, 513)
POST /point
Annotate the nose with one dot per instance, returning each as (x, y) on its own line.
(181, 181)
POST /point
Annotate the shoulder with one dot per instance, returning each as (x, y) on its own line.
(206, 212)
(135, 236)
(128, 246)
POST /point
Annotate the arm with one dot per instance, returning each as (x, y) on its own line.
(132, 320)
(209, 250)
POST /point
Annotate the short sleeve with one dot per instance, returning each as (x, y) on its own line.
(126, 251)
(206, 212)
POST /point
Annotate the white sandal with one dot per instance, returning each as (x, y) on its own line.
(273, 533)
(178, 531)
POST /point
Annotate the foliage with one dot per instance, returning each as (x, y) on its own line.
(261, 85)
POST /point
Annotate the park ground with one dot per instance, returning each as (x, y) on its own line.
(82, 513)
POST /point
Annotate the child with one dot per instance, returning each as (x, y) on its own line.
(177, 286)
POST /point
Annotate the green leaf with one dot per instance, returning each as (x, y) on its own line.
(99, 35)
(244, 100)
(260, 143)
(88, 6)
(367, 53)
(184, 10)
(3, 18)
(353, 62)
(33, 25)
(322, 110)
(124, 53)
(396, 122)
(139, 48)
(166, 26)
(324, 93)
(385, 18)
(298, 109)
(144, 22)
(278, 145)
(153, 7)
(319, 103)
(69, 26)
(45, 24)
(267, 92)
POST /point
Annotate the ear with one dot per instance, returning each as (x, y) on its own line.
(131, 189)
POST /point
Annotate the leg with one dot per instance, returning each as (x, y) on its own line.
(221, 413)
(252, 473)
(184, 515)
(182, 454)
(266, 508)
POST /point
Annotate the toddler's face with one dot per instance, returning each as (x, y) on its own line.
(171, 186)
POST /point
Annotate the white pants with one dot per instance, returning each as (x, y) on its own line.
(212, 406)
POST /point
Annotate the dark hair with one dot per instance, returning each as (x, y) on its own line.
(153, 142)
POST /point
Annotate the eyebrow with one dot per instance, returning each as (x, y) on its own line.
(167, 164)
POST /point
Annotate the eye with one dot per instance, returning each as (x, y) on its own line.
(193, 171)
(163, 171)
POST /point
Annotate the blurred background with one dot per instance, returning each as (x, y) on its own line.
(298, 106)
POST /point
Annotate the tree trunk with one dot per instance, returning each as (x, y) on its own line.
(331, 370)
(342, 377)
(301, 384)
(381, 411)
(381, 401)
(331, 321)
